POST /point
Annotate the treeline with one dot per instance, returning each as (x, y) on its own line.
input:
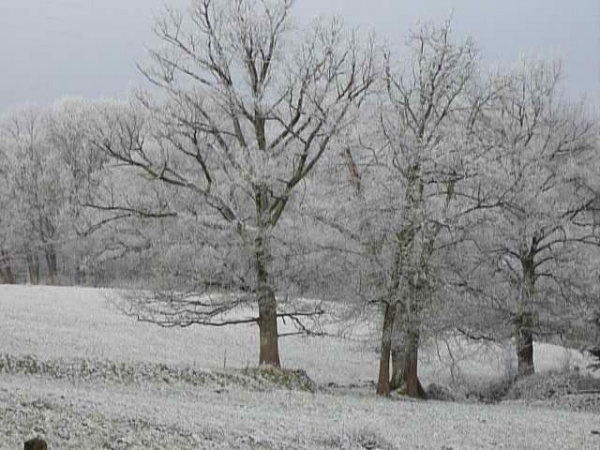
(268, 163)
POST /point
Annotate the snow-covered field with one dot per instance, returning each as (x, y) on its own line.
(75, 324)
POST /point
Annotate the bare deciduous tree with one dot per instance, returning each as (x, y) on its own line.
(541, 191)
(35, 181)
(248, 107)
(413, 152)
(425, 119)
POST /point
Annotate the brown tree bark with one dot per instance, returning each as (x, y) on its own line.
(524, 319)
(383, 383)
(413, 384)
(405, 361)
(267, 323)
(524, 338)
(267, 303)
(398, 367)
(399, 338)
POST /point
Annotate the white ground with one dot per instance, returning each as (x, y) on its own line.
(54, 323)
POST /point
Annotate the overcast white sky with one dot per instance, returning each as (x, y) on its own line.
(55, 48)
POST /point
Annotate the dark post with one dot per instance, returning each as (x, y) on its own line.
(36, 444)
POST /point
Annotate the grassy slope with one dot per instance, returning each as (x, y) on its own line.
(74, 322)
(54, 322)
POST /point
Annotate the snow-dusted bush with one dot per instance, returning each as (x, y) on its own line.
(543, 386)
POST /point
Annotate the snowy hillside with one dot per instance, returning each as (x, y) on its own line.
(74, 324)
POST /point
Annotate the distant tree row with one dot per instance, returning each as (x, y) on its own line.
(268, 163)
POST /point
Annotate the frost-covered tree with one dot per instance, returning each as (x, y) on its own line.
(68, 130)
(7, 270)
(392, 190)
(246, 107)
(530, 267)
(425, 120)
(35, 186)
(47, 172)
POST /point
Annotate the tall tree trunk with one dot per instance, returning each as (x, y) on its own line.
(403, 350)
(420, 292)
(267, 323)
(403, 268)
(399, 339)
(267, 303)
(33, 267)
(405, 358)
(389, 318)
(524, 319)
(398, 363)
(52, 263)
(6, 272)
(413, 385)
(524, 341)
(383, 383)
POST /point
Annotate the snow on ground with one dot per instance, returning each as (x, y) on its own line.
(112, 416)
(54, 323)
(472, 363)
